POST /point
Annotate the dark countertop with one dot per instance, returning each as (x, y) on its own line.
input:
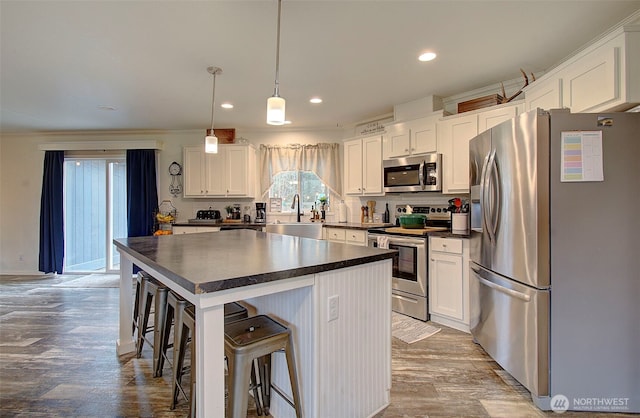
(214, 261)
(349, 225)
(228, 225)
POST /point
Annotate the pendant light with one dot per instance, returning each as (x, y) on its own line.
(275, 103)
(211, 141)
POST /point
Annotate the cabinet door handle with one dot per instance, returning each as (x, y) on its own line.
(406, 150)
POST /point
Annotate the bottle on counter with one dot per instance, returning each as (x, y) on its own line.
(386, 217)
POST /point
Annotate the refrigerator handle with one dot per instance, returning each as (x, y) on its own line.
(488, 204)
(509, 292)
(496, 193)
(484, 209)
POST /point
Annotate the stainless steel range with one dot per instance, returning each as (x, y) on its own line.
(410, 282)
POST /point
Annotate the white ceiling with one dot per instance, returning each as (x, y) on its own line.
(62, 60)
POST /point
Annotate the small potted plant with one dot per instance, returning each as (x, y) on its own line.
(323, 206)
(229, 210)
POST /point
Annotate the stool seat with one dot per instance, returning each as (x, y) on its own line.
(234, 311)
(256, 338)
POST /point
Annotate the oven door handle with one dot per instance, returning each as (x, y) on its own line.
(422, 174)
(394, 239)
(405, 299)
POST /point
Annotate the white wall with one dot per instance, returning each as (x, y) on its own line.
(21, 164)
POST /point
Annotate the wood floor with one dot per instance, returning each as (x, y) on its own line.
(57, 359)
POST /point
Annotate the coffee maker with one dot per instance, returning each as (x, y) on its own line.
(261, 213)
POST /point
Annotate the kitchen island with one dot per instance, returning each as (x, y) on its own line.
(343, 356)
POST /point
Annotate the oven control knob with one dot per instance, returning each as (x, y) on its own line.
(439, 210)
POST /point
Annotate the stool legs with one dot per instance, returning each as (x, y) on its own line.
(239, 374)
(158, 328)
(164, 342)
(293, 377)
(136, 304)
(264, 367)
(179, 345)
(143, 316)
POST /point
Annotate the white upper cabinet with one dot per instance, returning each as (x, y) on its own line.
(194, 171)
(409, 138)
(230, 172)
(363, 166)
(454, 135)
(544, 94)
(491, 118)
(603, 77)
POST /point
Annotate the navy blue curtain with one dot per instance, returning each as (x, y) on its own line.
(51, 255)
(142, 193)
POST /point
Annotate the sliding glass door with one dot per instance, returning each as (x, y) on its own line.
(94, 213)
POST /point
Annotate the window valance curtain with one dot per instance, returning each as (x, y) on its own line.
(321, 159)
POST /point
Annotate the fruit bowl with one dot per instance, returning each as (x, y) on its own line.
(413, 221)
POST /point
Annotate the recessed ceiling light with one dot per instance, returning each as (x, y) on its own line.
(427, 56)
(315, 100)
(226, 105)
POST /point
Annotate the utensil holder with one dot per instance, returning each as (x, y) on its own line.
(460, 223)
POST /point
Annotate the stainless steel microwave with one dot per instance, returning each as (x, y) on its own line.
(421, 173)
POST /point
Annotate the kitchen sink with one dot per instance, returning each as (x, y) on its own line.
(306, 230)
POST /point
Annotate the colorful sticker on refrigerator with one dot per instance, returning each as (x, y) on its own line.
(581, 156)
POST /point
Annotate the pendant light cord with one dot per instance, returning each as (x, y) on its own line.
(276, 91)
(213, 100)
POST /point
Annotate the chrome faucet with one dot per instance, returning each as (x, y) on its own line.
(296, 198)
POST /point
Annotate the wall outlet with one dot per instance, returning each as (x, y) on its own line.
(334, 308)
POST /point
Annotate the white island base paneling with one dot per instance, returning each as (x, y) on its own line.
(344, 365)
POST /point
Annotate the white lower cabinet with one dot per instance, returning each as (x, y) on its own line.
(348, 236)
(449, 282)
(177, 230)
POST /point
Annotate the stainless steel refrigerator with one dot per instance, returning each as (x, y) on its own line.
(555, 256)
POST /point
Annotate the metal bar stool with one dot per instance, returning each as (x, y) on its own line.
(249, 339)
(232, 312)
(151, 292)
(182, 313)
